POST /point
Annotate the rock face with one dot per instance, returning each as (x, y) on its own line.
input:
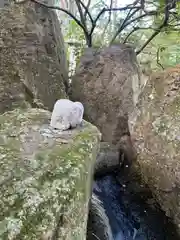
(45, 177)
(107, 160)
(105, 82)
(155, 127)
(32, 58)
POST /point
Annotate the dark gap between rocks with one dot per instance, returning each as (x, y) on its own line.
(132, 211)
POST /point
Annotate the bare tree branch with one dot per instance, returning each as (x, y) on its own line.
(86, 12)
(134, 30)
(158, 58)
(137, 5)
(150, 39)
(87, 9)
(60, 9)
(164, 24)
(83, 22)
(111, 4)
(109, 19)
(108, 10)
(128, 16)
(81, 14)
(127, 23)
(150, 13)
(130, 33)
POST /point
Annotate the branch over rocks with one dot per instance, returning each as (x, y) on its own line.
(157, 31)
(134, 30)
(87, 10)
(108, 10)
(62, 10)
(122, 26)
(131, 17)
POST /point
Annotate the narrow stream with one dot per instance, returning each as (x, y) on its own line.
(130, 214)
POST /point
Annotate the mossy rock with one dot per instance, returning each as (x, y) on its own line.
(45, 177)
(155, 128)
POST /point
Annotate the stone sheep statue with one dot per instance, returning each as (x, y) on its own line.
(66, 114)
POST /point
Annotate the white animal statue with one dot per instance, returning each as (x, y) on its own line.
(66, 114)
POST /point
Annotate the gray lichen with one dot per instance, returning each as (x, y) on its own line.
(43, 179)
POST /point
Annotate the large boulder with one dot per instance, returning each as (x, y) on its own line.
(45, 177)
(106, 82)
(155, 127)
(32, 58)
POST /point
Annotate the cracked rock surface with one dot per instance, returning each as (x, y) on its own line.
(45, 176)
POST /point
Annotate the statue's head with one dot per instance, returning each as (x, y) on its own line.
(79, 104)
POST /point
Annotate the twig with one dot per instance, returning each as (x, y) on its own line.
(87, 10)
(158, 58)
(107, 10)
(81, 14)
(157, 31)
(134, 30)
(60, 9)
(109, 19)
(149, 40)
(151, 13)
(129, 15)
(127, 21)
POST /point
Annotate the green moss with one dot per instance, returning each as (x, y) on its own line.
(42, 178)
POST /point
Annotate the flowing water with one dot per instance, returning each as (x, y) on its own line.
(130, 213)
